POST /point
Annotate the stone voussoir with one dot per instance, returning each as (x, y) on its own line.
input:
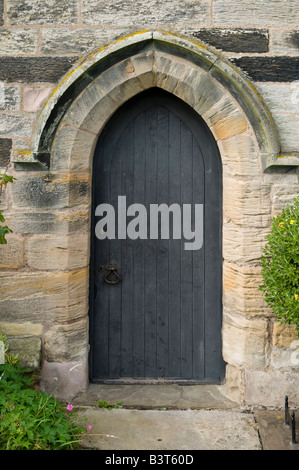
(225, 119)
(72, 149)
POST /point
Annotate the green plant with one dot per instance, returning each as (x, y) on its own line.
(30, 419)
(4, 229)
(108, 406)
(10, 358)
(280, 266)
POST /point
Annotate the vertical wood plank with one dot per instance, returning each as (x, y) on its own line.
(150, 285)
(115, 291)
(127, 257)
(198, 333)
(186, 257)
(162, 245)
(139, 250)
(174, 289)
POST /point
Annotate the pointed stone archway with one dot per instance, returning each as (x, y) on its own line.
(63, 145)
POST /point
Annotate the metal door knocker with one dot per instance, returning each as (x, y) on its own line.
(112, 271)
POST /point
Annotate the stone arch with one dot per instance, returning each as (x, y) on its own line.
(97, 86)
(67, 131)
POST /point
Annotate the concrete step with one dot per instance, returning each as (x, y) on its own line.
(176, 417)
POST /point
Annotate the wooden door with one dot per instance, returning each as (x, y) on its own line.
(158, 315)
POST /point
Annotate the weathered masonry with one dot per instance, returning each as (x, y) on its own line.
(195, 105)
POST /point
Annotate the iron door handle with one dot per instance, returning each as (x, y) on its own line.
(112, 270)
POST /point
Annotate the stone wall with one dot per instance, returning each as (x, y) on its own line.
(44, 266)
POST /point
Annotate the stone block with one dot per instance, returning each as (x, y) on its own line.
(280, 97)
(48, 222)
(284, 335)
(143, 65)
(284, 41)
(208, 93)
(50, 298)
(247, 203)
(18, 41)
(235, 40)
(169, 12)
(2, 353)
(287, 125)
(35, 69)
(21, 329)
(91, 108)
(225, 119)
(1, 12)
(286, 358)
(34, 96)
(239, 156)
(76, 41)
(69, 146)
(233, 386)
(5, 149)
(269, 388)
(242, 14)
(51, 191)
(27, 349)
(243, 244)
(3, 198)
(119, 82)
(65, 343)
(64, 379)
(39, 12)
(245, 341)
(286, 176)
(241, 290)
(12, 254)
(198, 89)
(269, 69)
(59, 253)
(16, 125)
(9, 97)
(283, 195)
(168, 72)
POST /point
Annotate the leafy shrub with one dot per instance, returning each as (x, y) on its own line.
(280, 266)
(4, 230)
(30, 419)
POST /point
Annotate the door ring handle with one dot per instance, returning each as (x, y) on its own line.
(112, 269)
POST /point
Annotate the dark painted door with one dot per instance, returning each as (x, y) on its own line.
(162, 320)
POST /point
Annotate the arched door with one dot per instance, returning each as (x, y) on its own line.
(156, 256)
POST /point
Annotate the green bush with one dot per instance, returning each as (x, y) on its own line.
(4, 229)
(30, 419)
(280, 266)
